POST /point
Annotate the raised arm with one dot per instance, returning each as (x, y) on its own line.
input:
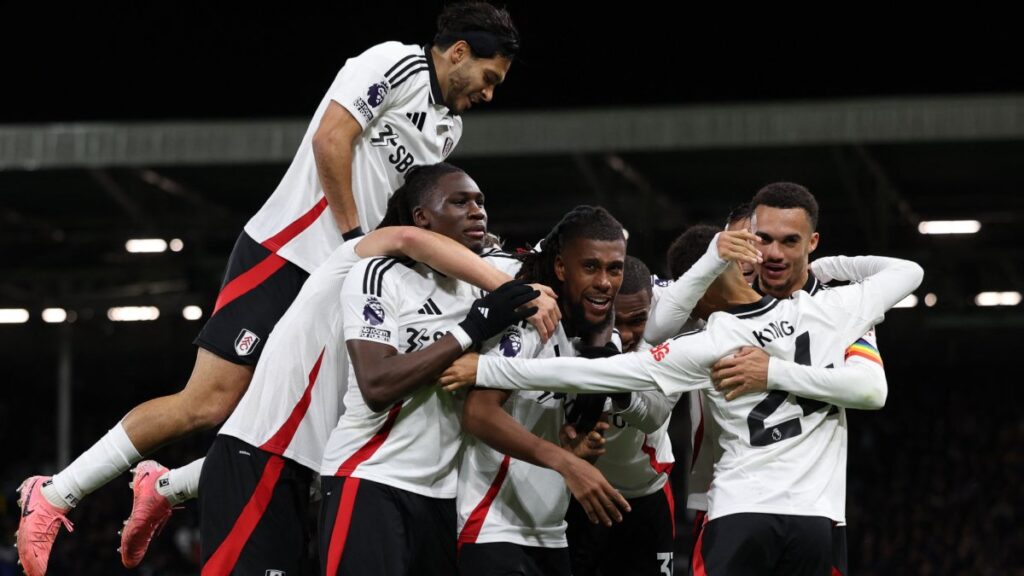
(883, 281)
(677, 302)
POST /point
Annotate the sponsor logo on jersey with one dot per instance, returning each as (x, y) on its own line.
(660, 351)
(375, 94)
(273, 572)
(662, 282)
(511, 343)
(373, 311)
(375, 334)
(246, 342)
(363, 108)
(421, 337)
(386, 137)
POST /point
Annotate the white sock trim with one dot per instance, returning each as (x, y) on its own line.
(105, 460)
(181, 484)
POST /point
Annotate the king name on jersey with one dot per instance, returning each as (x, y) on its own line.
(772, 331)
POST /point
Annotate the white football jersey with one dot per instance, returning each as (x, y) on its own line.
(638, 452)
(294, 399)
(501, 499)
(392, 91)
(704, 432)
(782, 454)
(414, 445)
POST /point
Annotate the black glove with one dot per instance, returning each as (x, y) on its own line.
(586, 410)
(498, 310)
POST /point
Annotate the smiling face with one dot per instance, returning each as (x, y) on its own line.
(631, 312)
(787, 239)
(455, 208)
(591, 274)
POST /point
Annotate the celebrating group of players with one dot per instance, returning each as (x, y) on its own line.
(460, 409)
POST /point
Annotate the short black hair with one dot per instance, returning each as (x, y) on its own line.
(739, 212)
(589, 222)
(488, 30)
(636, 276)
(787, 195)
(689, 247)
(419, 180)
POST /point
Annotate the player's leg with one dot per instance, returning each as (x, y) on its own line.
(433, 523)
(700, 522)
(214, 389)
(493, 559)
(218, 380)
(230, 344)
(741, 545)
(587, 541)
(644, 543)
(156, 491)
(840, 562)
(808, 547)
(252, 509)
(362, 529)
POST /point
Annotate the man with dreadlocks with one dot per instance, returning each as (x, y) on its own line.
(513, 479)
(273, 443)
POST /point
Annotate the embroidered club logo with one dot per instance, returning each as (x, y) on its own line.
(376, 93)
(448, 144)
(246, 342)
(660, 351)
(511, 343)
(373, 311)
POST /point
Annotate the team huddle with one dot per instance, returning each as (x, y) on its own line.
(453, 408)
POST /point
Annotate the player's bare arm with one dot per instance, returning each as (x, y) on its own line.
(332, 150)
(484, 417)
(453, 259)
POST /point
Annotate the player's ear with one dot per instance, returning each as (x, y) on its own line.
(560, 268)
(459, 51)
(813, 244)
(421, 218)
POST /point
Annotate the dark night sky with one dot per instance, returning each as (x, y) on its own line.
(184, 61)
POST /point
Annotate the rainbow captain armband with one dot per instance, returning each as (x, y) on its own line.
(864, 349)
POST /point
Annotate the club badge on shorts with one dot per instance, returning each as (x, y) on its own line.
(246, 342)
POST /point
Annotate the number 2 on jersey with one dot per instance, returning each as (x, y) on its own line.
(760, 435)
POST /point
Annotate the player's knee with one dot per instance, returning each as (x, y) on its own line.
(212, 413)
(210, 400)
